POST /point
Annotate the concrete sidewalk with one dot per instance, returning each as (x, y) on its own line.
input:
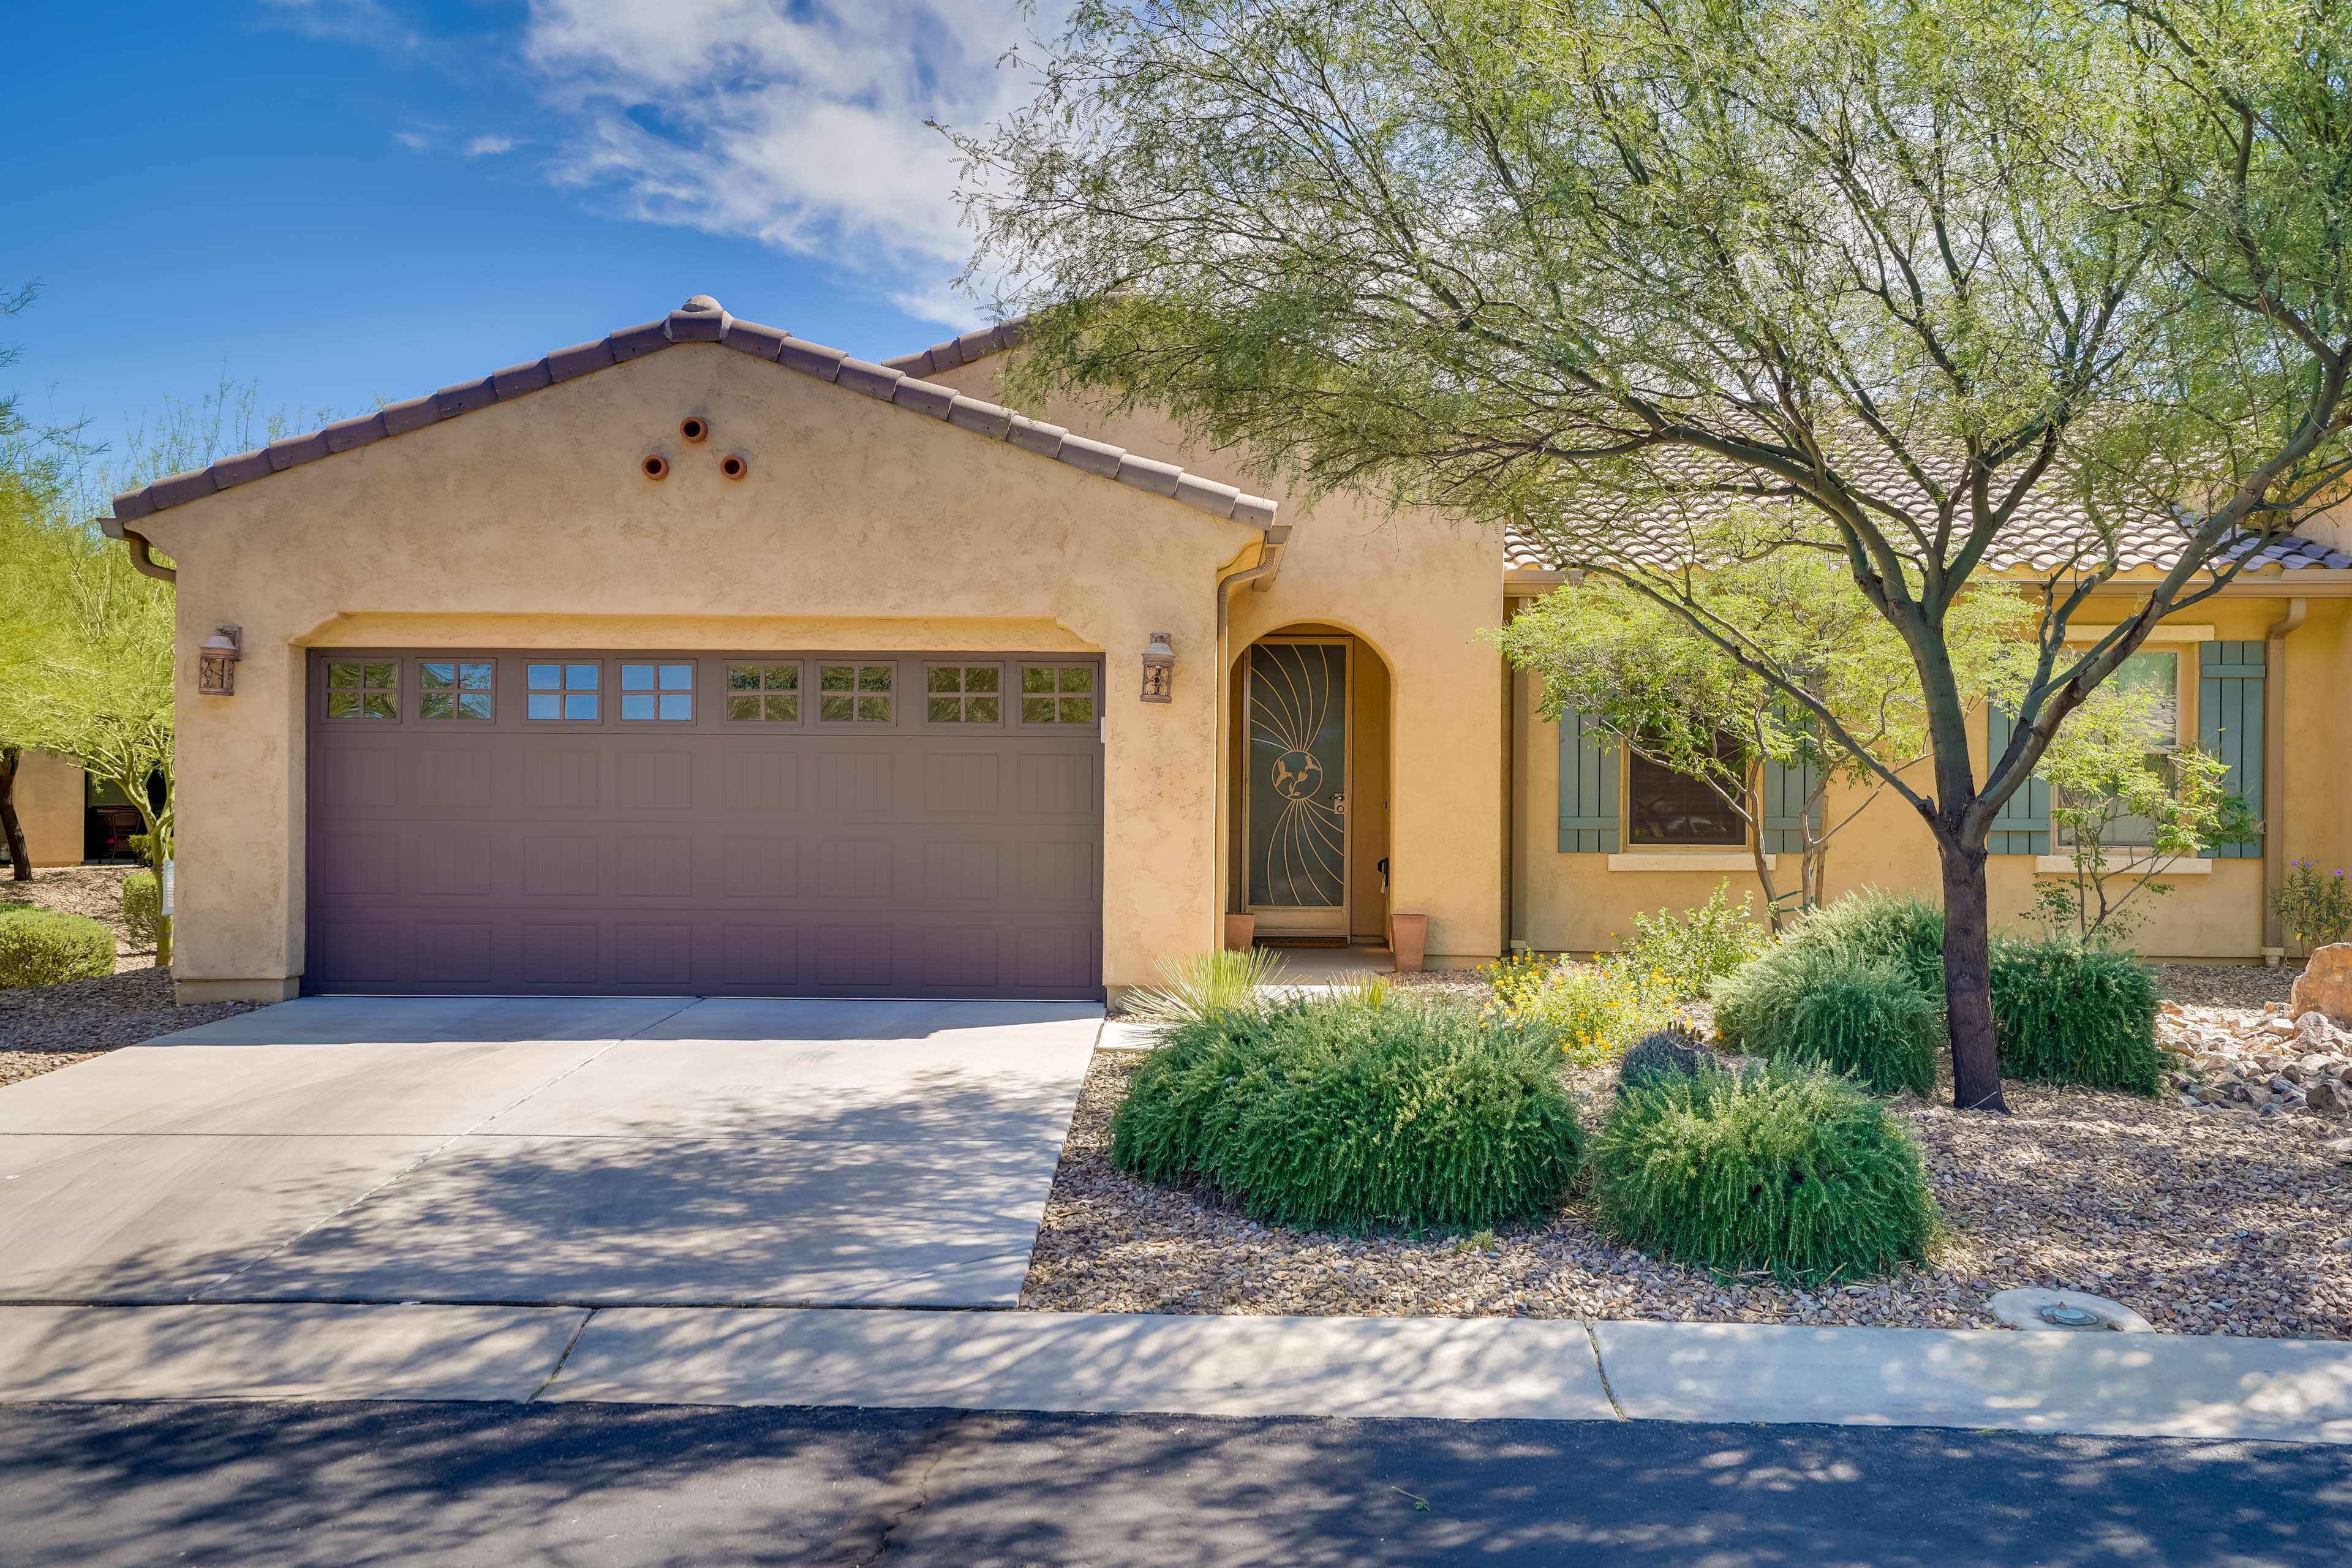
(1456, 1369)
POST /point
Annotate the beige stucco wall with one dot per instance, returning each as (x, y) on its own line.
(1416, 588)
(528, 524)
(50, 795)
(1573, 902)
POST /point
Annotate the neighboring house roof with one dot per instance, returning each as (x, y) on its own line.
(2049, 531)
(1525, 551)
(702, 319)
(969, 349)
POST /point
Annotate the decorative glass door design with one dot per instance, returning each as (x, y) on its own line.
(1296, 801)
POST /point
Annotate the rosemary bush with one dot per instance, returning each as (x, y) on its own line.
(1785, 1169)
(2066, 1013)
(1336, 1115)
(1838, 1004)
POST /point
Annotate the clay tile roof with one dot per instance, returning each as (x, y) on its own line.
(702, 319)
(2048, 533)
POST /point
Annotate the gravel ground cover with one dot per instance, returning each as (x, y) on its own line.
(2203, 1221)
(45, 1028)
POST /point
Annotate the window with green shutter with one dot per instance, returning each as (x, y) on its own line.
(1588, 787)
(2229, 677)
(2023, 827)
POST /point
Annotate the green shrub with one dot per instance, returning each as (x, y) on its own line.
(1835, 1003)
(1906, 928)
(1340, 1114)
(2069, 1014)
(142, 906)
(1193, 988)
(1783, 1168)
(41, 947)
(1662, 1053)
(1676, 955)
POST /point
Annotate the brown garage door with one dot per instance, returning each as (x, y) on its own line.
(521, 823)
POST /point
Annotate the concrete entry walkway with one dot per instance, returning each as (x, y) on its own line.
(613, 1151)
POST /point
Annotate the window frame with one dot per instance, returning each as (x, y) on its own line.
(660, 663)
(566, 664)
(327, 689)
(964, 696)
(1627, 760)
(799, 692)
(1022, 694)
(858, 692)
(457, 664)
(2061, 835)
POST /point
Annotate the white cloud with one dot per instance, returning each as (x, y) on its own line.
(488, 146)
(799, 123)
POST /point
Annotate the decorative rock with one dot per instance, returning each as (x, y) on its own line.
(2066, 1311)
(2325, 984)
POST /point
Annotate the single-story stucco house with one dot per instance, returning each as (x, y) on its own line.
(702, 659)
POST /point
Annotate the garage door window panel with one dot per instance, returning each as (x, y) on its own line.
(565, 693)
(454, 688)
(963, 694)
(856, 693)
(1057, 694)
(764, 693)
(658, 693)
(363, 688)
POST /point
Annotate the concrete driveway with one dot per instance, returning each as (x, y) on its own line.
(642, 1151)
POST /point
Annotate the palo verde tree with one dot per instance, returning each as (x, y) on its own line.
(2051, 284)
(1644, 677)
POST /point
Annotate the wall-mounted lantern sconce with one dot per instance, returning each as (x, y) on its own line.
(217, 662)
(1159, 670)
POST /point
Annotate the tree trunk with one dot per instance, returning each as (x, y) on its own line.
(1968, 982)
(20, 860)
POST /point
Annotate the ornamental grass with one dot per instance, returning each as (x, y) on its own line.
(1354, 1113)
(1784, 1168)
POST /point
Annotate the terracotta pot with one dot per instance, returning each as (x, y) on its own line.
(1240, 933)
(1408, 935)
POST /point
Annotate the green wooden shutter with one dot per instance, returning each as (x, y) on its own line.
(2230, 725)
(1787, 786)
(1588, 787)
(2022, 826)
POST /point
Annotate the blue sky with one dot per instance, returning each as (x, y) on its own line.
(343, 200)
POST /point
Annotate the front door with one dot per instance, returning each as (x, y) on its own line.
(1296, 801)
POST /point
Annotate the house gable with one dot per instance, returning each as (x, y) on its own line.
(700, 320)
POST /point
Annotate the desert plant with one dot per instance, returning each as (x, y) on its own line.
(1592, 1010)
(142, 906)
(1838, 1004)
(1679, 954)
(1206, 983)
(1905, 928)
(2068, 1013)
(1664, 1053)
(42, 947)
(1327, 1113)
(2316, 909)
(1785, 1169)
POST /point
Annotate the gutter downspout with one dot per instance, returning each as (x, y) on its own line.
(142, 558)
(1269, 562)
(2274, 775)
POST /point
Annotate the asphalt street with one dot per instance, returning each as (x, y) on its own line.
(586, 1486)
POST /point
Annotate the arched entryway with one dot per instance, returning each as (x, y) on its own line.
(1311, 745)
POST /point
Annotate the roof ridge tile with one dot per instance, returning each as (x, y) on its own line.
(702, 319)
